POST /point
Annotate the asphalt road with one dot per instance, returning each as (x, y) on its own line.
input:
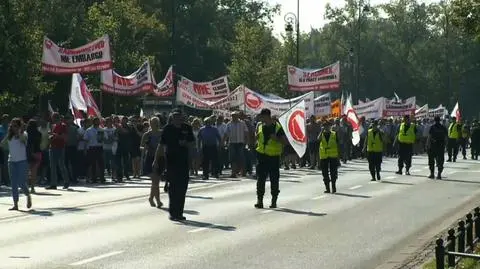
(114, 227)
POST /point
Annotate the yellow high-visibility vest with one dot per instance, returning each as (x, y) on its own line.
(328, 149)
(374, 142)
(272, 147)
(407, 137)
(453, 131)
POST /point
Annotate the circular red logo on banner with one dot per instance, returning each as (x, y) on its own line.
(296, 126)
(252, 100)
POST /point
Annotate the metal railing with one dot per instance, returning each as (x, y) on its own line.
(460, 243)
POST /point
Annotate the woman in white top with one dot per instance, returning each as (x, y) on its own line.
(17, 160)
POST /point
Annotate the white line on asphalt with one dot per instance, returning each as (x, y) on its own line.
(373, 182)
(267, 211)
(416, 170)
(391, 177)
(96, 258)
(319, 197)
(201, 229)
(356, 187)
(451, 172)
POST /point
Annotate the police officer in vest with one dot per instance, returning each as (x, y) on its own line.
(270, 140)
(329, 157)
(436, 140)
(374, 148)
(454, 131)
(405, 139)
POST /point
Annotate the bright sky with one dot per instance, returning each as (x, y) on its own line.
(311, 11)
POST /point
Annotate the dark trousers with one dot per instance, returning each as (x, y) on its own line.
(436, 155)
(122, 160)
(374, 163)
(475, 149)
(96, 163)
(210, 157)
(452, 149)
(405, 153)
(268, 166)
(177, 177)
(71, 162)
(329, 168)
(463, 145)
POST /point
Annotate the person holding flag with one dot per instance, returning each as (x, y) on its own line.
(329, 154)
(270, 141)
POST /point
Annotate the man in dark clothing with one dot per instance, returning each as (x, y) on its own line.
(176, 139)
(209, 141)
(475, 140)
(437, 138)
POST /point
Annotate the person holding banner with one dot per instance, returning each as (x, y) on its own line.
(373, 146)
(329, 153)
(406, 139)
(270, 141)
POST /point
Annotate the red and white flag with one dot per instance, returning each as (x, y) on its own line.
(81, 99)
(456, 112)
(294, 125)
(352, 118)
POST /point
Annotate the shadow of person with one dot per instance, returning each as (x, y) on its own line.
(185, 211)
(352, 195)
(199, 224)
(299, 212)
(46, 194)
(200, 197)
(396, 183)
(458, 180)
(43, 213)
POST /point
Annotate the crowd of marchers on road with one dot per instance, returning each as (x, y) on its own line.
(175, 147)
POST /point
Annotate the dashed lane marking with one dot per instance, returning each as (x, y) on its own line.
(319, 197)
(355, 187)
(416, 170)
(391, 177)
(201, 229)
(96, 258)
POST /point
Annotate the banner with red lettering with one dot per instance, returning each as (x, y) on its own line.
(255, 102)
(92, 57)
(165, 88)
(211, 90)
(402, 108)
(421, 112)
(371, 110)
(323, 79)
(191, 99)
(139, 82)
(440, 111)
(323, 105)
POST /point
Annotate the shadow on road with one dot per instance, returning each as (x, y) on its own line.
(290, 181)
(396, 183)
(46, 194)
(199, 224)
(299, 212)
(459, 181)
(200, 197)
(352, 195)
(42, 213)
(186, 211)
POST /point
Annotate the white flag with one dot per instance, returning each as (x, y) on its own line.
(456, 112)
(353, 120)
(294, 125)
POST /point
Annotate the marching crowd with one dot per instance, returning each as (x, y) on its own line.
(174, 147)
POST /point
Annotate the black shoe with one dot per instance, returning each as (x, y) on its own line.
(259, 205)
(373, 179)
(439, 176)
(378, 176)
(399, 172)
(274, 202)
(431, 176)
(334, 188)
(66, 186)
(407, 173)
(51, 188)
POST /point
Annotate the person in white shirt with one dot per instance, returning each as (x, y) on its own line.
(17, 160)
(94, 139)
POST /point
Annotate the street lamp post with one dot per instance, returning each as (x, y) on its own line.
(362, 9)
(290, 20)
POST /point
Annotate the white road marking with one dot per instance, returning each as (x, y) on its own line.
(96, 258)
(416, 170)
(373, 182)
(391, 177)
(451, 172)
(319, 197)
(267, 211)
(355, 187)
(201, 229)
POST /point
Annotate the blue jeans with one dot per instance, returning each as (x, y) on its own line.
(57, 159)
(18, 177)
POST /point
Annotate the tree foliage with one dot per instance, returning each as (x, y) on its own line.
(428, 50)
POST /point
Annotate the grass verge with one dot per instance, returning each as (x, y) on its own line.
(465, 263)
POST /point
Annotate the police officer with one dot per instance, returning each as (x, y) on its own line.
(175, 141)
(406, 139)
(454, 130)
(465, 138)
(475, 140)
(436, 141)
(374, 148)
(329, 157)
(270, 140)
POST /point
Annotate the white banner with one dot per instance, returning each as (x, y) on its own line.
(440, 111)
(422, 112)
(92, 57)
(255, 102)
(166, 87)
(141, 81)
(191, 99)
(371, 110)
(323, 105)
(293, 123)
(323, 79)
(211, 90)
(405, 107)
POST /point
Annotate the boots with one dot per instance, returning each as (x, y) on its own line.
(372, 173)
(274, 201)
(259, 203)
(327, 186)
(439, 175)
(432, 174)
(334, 186)
(378, 175)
